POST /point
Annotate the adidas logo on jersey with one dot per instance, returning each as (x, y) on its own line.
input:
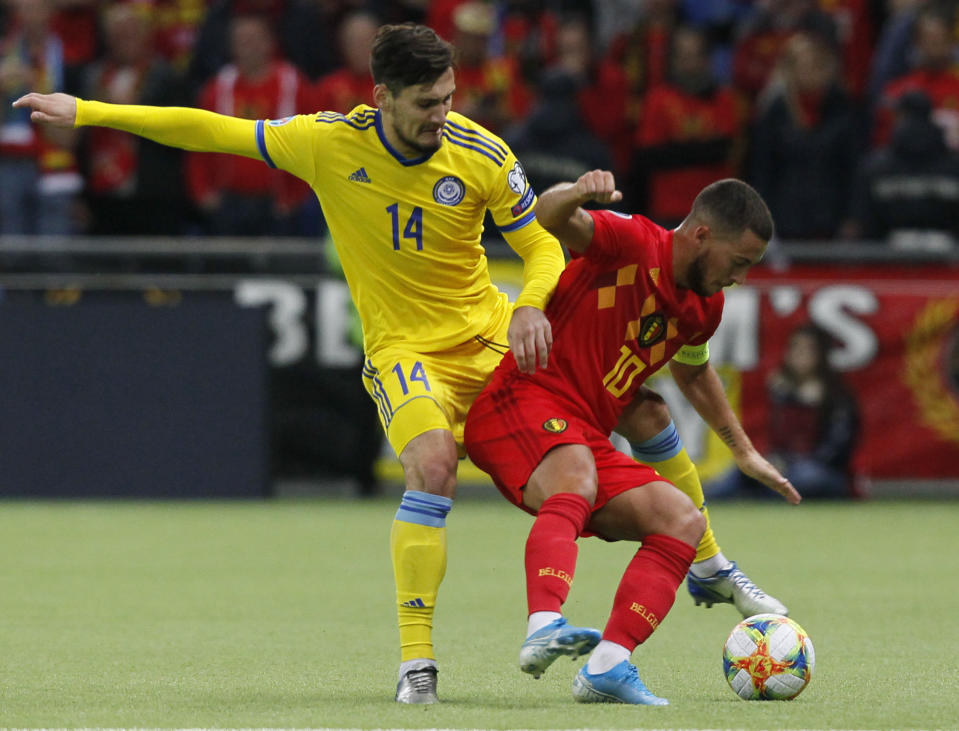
(360, 176)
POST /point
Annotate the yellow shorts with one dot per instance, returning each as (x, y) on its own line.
(418, 392)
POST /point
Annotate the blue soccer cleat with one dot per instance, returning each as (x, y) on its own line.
(732, 586)
(621, 684)
(557, 638)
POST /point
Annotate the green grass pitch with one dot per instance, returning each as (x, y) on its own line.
(280, 614)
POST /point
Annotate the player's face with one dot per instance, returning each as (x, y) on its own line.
(413, 119)
(722, 263)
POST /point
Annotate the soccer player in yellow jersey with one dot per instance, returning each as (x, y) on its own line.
(404, 187)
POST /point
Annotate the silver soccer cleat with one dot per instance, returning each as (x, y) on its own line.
(417, 686)
(732, 586)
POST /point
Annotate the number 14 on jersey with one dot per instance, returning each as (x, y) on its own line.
(412, 230)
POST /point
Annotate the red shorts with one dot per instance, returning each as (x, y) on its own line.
(510, 429)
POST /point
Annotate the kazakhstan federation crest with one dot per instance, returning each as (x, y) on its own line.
(449, 191)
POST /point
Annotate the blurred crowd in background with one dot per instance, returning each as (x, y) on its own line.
(843, 113)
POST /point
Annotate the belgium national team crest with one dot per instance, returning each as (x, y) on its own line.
(557, 426)
(652, 329)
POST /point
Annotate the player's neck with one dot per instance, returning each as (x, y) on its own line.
(684, 251)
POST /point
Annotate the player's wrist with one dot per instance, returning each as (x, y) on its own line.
(88, 113)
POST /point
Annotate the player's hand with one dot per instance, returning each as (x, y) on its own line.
(530, 338)
(759, 468)
(59, 110)
(599, 186)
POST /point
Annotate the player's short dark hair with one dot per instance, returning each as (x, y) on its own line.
(732, 207)
(408, 54)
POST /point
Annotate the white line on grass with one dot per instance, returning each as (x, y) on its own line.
(391, 729)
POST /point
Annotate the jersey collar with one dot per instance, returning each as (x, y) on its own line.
(406, 161)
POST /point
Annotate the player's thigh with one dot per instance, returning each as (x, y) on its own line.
(512, 429)
(634, 501)
(655, 508)
(465, 371)
(419, 392)
(566, 468)
(410, 398)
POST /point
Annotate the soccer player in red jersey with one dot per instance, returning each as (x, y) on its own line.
(637, 295)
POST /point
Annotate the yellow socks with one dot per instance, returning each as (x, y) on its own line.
(418, 549)
(665, 454)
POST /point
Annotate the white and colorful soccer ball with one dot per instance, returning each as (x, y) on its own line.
(768, 657)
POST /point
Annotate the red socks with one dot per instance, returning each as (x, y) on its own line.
(551, 550)
(648, 589)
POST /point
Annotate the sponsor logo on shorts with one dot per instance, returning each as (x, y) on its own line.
(652, 329)
(557, 426)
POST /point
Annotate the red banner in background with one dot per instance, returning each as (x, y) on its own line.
(896, 343)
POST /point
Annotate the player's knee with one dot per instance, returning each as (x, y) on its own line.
(429, 463)
(676, 515)
(646, 417)
(584, 485)
(567, 471)
(689, 523)
(436, 476)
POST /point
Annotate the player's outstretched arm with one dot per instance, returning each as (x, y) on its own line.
(703, 388)
(183, 127)
(559, 208)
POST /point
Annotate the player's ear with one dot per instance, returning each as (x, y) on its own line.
(383, 97)
(701, 234)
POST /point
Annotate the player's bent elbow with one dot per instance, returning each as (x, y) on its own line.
(571, 235)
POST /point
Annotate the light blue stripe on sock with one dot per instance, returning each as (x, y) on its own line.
(661, 447)
(424, 509)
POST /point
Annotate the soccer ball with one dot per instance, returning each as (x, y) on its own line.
(768, 657)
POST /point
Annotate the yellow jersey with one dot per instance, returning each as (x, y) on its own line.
(407, 231)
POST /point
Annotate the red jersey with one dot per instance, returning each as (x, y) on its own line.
(673, 118)
(617, 317)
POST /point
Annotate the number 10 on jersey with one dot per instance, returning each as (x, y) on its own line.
(413, 228)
